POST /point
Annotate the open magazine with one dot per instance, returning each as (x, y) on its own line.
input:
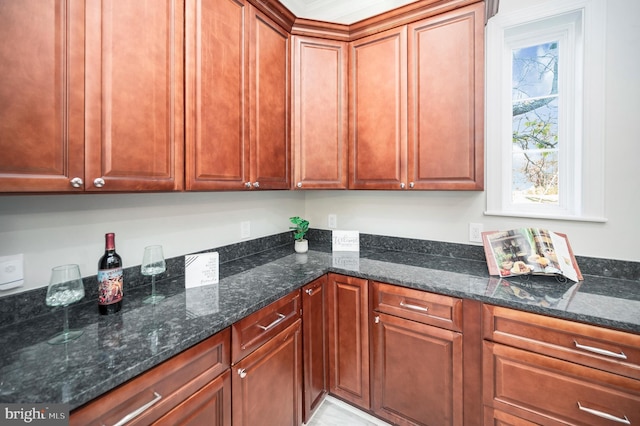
(530, 251)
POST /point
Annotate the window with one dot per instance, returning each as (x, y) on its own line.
(544, 142)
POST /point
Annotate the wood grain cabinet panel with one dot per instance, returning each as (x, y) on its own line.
(349, 339)
(315, 344)
(377, 111)
(217, 151)
(417, 372)
(134, 84)
(320, 113)
(446, 101)
(42, 95)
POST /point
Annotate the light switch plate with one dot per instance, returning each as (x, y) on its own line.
(11, 271)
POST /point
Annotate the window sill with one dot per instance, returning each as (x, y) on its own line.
(546, 216)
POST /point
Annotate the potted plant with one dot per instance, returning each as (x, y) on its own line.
(299, 230)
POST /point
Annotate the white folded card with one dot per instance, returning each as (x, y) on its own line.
(345, 240)
(201, 269)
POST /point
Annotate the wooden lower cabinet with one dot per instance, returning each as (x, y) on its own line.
(349, 339)
(315, 345)
(267, 384)
(417, 372)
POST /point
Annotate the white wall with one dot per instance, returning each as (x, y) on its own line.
(56, 229)
(53, 230)
(444, 216)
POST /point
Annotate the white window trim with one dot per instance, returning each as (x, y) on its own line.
(588, 197)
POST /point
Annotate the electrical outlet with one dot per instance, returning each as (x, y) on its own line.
(475, 232)
(245, 229)
(332, 221)
(11, 271)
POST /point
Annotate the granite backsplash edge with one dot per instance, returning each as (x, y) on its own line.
(29, 304)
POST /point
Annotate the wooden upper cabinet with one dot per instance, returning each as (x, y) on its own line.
(134, 95)
(446, 100)
(42, 95)
(320, 113)
(217, 156)
(269, 116)
(377, 109)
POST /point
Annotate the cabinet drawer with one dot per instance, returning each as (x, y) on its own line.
(530, 385)
(160, 389)
(251, 332)
(416, 305)
(606, 349)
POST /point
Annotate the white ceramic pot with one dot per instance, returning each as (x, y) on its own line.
(301, 246)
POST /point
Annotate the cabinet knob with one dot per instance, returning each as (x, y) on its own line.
(411, 184)
(256, 184)
(299, 184)
(76, 182)
(242, 373)
(247, 184)
(98, 182)
(402, 185)
(376, 319)
(309, 291)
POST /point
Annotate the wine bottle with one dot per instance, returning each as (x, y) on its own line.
(110, 279)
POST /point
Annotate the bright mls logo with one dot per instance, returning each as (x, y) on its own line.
(34, 414)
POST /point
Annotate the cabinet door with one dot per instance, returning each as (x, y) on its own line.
(349, 339)
(320, 113)
(446, 100)
(378, 111)
(41, 95)
(268, 103)
(315, 345)
(417, 372)
(217, 154)
(134, 95)
(209, 406)
(267, 385)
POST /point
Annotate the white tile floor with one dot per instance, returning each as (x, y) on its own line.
(334, 412)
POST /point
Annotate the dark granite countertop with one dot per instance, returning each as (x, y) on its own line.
(116, 348)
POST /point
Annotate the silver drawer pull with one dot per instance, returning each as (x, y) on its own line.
(414, 307)
(620, 355)
(132, 415)
(604, 415)
(274, 323)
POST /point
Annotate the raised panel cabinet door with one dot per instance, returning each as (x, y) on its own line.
(217, 150)
(267, 384)
(209, 406)
(134, 95)
(446, 101)
(320, 113)
(315, 345)
(417, 372)
(378, 111)
(349, 339)
(41, 96)
(269, 133)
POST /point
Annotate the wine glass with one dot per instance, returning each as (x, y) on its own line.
(153, 264)
(65, 288)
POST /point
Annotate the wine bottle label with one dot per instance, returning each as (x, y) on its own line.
(110, 282)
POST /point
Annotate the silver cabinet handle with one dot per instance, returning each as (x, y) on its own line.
(411, 184)
(132, 415)
(247, 184)
(256, 184)
(299, 184)
(604, 415)
(98, 182)
(277, 321)
(309, 291)
(76, 182)
(599, 351)
(402, 185)
(414, 307)
(242, 373)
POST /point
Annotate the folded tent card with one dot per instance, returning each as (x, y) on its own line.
(201, 269)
